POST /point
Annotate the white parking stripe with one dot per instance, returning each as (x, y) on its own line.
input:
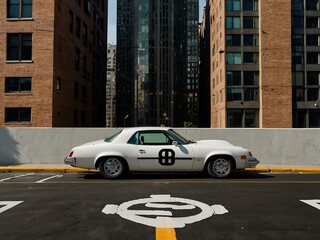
(19, 176)
(43, 180)
(314, 203)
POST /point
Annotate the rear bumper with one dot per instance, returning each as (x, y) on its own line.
(70, 161)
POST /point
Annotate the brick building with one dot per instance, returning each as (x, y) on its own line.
(264, 63)
(52, 63)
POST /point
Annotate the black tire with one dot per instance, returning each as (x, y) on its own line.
(220, 167)
(112, 168)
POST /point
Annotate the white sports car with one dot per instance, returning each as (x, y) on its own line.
(158, 149)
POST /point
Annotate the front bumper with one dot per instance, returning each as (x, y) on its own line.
(70, 161)
(252, 162)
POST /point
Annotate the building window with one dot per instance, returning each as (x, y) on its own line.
(19, 46)
(306, 118)
(313, 78)
(298, 40)
(77, 59)
(297, 5)
(83, 118)
(18, 115)
(234, 58)
(297, 22)
(313, 94)
(233, 40)
(70, 21)
(233, 22)
(246, 90)
(85, 35)
(233, 5)
(250, 40)
(83, 94)
(59, 87)
(75, 118)
(250, 22)
(297, 57)
(233, 78)
(250, 78)
(312, 5)
(312, 22)
(242, 94)
(312, 40)
(234, 94)
(243, 118)
(250, 5)
(250, 58)
(84, 67)
(17, 84)
(78, 27)
(312, 58)
(19, 9)
(76, 90)
(314, 120)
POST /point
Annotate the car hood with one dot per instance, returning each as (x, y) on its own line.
(216, 143)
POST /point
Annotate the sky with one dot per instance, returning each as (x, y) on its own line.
(112, 18)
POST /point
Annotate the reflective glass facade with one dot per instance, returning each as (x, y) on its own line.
(157, 62)
(305, 63)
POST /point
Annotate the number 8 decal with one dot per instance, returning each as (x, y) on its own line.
(167, 157)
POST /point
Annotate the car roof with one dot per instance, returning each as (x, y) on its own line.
(127, 133)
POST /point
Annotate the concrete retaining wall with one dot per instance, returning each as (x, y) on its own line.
(299, 147)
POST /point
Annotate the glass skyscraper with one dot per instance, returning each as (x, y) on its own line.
(157, 62)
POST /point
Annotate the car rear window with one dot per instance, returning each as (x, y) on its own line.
(112, 137)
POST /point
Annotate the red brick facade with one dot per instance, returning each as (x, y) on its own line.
(53, 99)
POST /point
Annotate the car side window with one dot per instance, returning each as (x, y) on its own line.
(153, 138)
(134, 139)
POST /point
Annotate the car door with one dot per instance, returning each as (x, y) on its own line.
(156, 152)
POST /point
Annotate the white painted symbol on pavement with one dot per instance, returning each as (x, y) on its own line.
(19, 176)
(314, 203)
(8, 204)
(43, 180)
(164, 218)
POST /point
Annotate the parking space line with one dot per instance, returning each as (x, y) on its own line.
(43, 180)
(19, 176)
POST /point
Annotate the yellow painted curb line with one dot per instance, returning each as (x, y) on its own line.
(284, 170)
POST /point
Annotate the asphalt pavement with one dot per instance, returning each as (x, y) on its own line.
(246, 206)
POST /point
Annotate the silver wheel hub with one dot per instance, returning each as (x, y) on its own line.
(221, 166)
(113, 167)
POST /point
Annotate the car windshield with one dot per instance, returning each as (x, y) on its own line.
(178, 137)
(112, 137)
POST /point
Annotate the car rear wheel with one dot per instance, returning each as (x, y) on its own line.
(112, 167)
(220, 167)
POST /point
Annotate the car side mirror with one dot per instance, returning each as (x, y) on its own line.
(175, 143)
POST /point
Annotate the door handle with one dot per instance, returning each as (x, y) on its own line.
(142, 151)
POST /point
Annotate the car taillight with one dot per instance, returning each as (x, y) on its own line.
(71, 153)
(243, 157)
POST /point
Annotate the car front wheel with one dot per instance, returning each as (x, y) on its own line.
(112, 167)
(220, 167)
